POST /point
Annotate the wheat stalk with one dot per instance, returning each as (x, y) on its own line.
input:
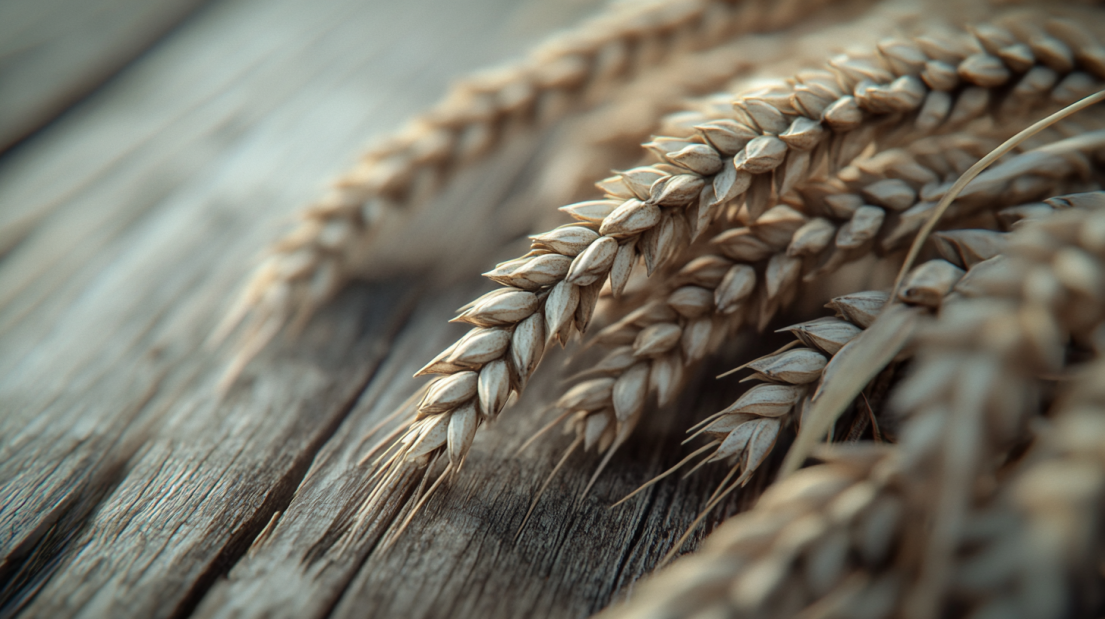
(988, 505)
(552, 291)
(583, 65)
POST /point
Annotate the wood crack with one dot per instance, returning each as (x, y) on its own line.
(283, 491)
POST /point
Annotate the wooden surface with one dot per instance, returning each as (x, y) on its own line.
(131, 489)
(54, 51)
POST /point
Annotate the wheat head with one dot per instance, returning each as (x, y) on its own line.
(777, 139)
(749, 272)
(975, 494)
(880, 530)
(578, 67)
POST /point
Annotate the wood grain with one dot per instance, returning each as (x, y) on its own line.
(459, 555)
(52, 52)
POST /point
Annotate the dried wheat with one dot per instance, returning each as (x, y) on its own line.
(805, 547)
(1030, 547)
(610, 136)
(655, 329)
(815, 542)
(758, 267)
(552, 291)
(1048, 560)
(977, 380)
(578, 66)
(745, 432)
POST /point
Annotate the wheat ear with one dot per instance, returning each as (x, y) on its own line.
(830, 402)
(974, 394)
(757, 269)
(1030, 547)
(655, 330)
(746, 431)
(612, 132)
(810, 536)
(849, 536)
(578, 66)
(787, 375)
(552, 291)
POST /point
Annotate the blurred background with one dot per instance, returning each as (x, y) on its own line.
(54, 52)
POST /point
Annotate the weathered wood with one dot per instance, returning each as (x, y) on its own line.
(54, 51)
(459, 554)
(130, 487)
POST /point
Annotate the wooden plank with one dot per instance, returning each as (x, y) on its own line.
(52, 52)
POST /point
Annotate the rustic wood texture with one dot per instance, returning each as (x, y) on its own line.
(54, 51)
(132, 489)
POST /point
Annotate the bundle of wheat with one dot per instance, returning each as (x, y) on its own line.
(777, 139)
(573, 70)
(747, 202)
(951, 519)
